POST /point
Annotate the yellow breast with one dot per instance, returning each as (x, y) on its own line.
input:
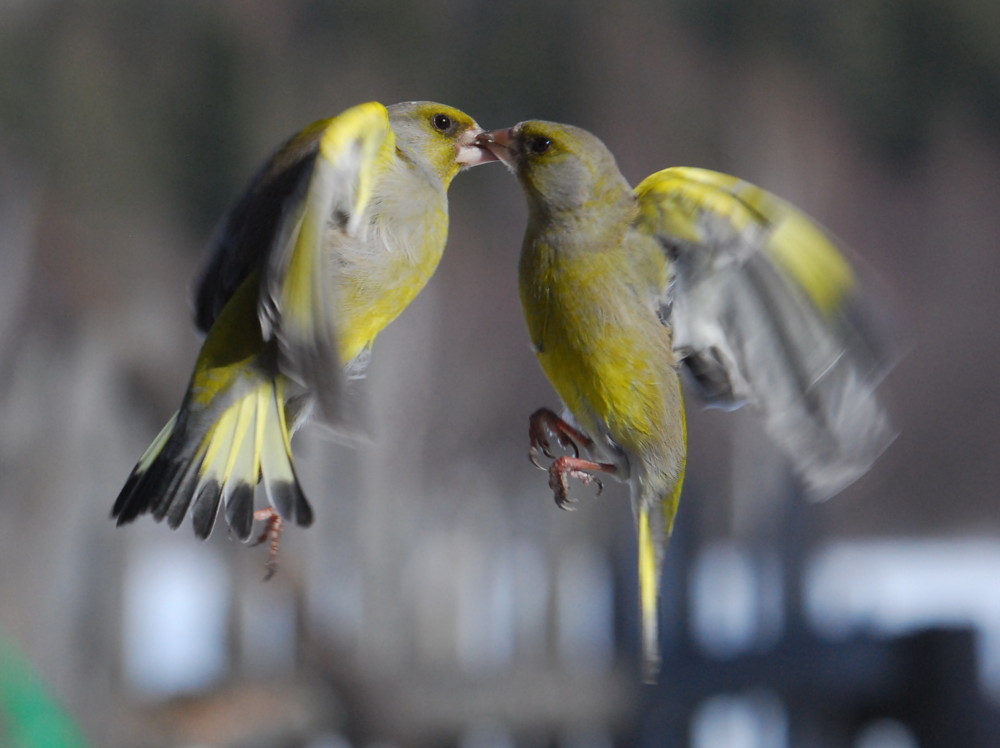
(600, 343)
(381, 272)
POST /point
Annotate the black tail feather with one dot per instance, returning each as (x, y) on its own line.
(128, 505)
(206, 507)
(172, 478)
(239, 511)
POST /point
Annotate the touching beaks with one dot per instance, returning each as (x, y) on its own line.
(498, 142)
(471, 150)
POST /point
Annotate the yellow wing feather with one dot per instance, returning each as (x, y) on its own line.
(350, 147)
(681, 201)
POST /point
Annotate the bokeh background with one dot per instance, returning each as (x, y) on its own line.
(441, 599)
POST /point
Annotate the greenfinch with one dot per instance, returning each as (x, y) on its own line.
(336, 233)
(622, 286)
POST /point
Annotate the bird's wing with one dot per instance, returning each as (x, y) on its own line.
(319, 182)
(767, 310)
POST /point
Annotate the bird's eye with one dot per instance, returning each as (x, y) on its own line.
(442, 122)
(540, 144)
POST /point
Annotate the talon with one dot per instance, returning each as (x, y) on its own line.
(543, 446)
(567, 467)
(543, 422)
(566, 503)
(538, 440)
(559, 483)
(567, 443)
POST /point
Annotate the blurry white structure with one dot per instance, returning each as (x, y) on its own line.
(175, 619)
(893, 587)
(736, 601)
(748, 720)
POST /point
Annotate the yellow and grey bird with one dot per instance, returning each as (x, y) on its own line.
(336, 233)
(621, 286)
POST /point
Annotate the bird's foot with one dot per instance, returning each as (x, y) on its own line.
(565, 467)
(544, 422)
(271, 534)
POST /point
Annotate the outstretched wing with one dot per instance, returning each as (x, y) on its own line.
(766, 310)
(317, 185)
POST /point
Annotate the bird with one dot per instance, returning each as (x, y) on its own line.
(691, 271)
(334, 236)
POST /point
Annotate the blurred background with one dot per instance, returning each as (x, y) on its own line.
(441, 599)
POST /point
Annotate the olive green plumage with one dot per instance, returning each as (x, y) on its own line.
(620, 287)
(333, 238)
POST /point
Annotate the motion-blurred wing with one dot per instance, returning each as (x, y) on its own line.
(766, 310)
(316, 186)
(246, 234)
(296, 304)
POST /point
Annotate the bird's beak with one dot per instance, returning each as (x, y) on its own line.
(498, 143)
(471, 152)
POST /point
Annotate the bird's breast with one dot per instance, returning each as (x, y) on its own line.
(380, 274)
(600, 344)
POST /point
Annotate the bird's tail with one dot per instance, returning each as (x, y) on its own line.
(655, 513)
(219, 455)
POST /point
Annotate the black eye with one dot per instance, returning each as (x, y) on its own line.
(442, 122)
(539, 144)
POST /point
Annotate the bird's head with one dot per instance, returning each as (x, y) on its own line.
(562, 168)
(438, 135)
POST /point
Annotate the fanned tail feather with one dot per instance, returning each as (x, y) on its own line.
(202, 463)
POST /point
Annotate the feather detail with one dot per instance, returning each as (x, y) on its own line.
(299, 301)
(765, 309)
(335, 234)
(247, 445)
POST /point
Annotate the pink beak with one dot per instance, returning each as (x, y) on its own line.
(498, 142)
(472, 151)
